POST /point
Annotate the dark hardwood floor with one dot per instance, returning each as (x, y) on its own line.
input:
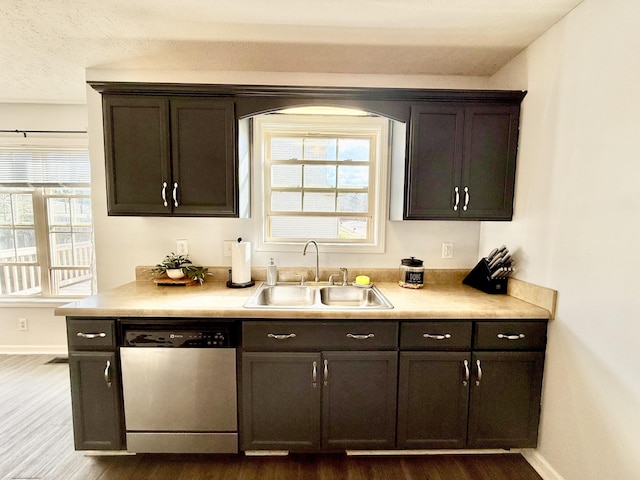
(36, 442)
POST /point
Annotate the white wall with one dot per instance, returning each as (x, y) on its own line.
(576, 227)
(124, 242)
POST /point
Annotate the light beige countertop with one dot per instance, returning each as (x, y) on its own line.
(142, 298)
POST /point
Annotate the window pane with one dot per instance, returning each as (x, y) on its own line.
(59, 211)
(22, 209)
(82, 249)
(61, 249)
(319, 202)
(286, 201)
(319, 176)
(319, 148)
(353, 177)
(6, 217)
(356, 149)
(283, 148)
(71, 282)
(353, 228)
(353, 202)
(81, 211)
(7, 245)
(304, 227)
(16, 280)
(286, 176)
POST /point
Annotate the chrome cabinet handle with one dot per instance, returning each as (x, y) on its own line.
(314, 374)
(479, 379)
(457, 191)
(164, 194)
(326, 372)
(436, 336)
(507, 336)
(466, 199)
(107, 374)
(175, 194)
(91, 335)
(360, 337)
(465, 382)
(279, 336)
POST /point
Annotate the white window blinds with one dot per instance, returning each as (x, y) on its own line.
(44, 166)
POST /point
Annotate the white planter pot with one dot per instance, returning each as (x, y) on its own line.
(175, 273)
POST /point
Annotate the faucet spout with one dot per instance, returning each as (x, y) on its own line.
(304, 252)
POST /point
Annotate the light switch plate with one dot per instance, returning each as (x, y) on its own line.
(447, 249)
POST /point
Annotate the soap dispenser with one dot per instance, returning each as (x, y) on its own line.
(272, 273)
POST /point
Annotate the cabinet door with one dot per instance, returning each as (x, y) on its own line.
(97, 405)
(204, 179)
(489, 167)
(359, 400)
(435, 156)
(433, 398)
(505, 399)
(281, 401)
(137, 154)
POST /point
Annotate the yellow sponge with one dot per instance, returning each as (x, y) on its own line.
(363, 280)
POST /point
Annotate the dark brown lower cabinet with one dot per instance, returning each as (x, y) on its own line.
(318, 401)
(96, 401)
(505, 399)
(433, 400)
(281, 401)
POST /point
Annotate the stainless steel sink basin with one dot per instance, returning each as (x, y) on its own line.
(351, 297)
(317, 296)
(286, 296)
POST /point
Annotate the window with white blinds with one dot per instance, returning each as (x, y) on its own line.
(323, 178)
(46, 228)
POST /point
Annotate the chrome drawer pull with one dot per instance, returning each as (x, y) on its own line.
(466, 373)
(435, 336)
(107, 374)
(479, 373)
(511, 337)
(314, 374)
(278, 336)
(91, 335)
(164, 194)
(326, 372)
(466, 199)
(455, 207)
(360, 337)
(175, 194)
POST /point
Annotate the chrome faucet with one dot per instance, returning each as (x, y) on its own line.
(304, 252)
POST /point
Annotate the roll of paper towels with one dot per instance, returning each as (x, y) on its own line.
(241, 262)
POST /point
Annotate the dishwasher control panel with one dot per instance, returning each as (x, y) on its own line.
(215, 338)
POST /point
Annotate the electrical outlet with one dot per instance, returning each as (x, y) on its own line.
(182, 247)
(23, 324)
(447, 249)
(227, 247)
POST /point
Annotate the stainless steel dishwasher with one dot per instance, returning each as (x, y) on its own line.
(179, 388)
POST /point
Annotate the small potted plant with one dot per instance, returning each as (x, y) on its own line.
(178, 266)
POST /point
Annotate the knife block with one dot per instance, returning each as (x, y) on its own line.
(480, 278)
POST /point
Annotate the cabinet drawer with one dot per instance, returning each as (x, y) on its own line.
(85, 334)
(319, 335)
(435, 336)
(510, 335)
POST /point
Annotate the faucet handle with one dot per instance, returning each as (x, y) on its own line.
(303, 279)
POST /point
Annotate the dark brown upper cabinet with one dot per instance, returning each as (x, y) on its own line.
(170, 155)
(462, 160)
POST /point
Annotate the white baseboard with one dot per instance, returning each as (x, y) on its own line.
(540, 464)
(34, 349)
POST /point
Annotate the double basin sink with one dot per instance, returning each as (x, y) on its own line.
(319, 297)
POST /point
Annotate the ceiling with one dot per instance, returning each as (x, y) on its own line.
(46, 45)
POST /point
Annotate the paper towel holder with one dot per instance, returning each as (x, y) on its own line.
(230, 284)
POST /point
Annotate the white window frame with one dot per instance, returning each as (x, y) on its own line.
(330, 125)
(41, 220)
